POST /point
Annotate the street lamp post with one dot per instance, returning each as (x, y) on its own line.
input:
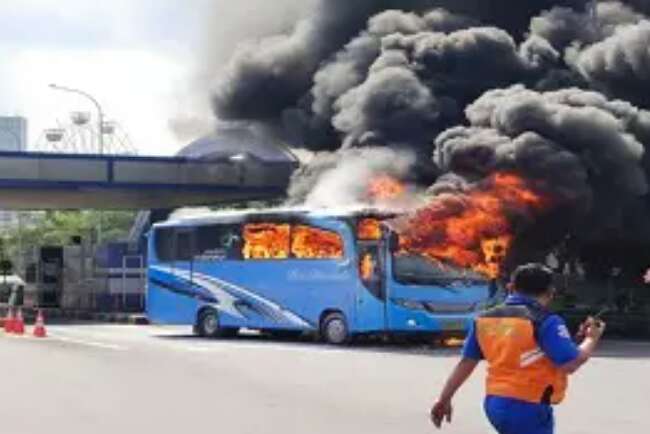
(100, 130)
(100, 112)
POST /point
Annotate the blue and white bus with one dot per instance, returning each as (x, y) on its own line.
(335, 274)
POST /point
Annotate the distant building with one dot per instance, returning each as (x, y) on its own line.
(13, 133)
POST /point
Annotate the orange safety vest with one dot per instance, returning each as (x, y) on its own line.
(517, 367)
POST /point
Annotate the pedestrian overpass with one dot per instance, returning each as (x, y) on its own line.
(30, 181)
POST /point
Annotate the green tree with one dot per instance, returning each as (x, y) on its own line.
(59, 227)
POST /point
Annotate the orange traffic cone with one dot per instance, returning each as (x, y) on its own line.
(9, 321)
(19, 324)
(39, 327)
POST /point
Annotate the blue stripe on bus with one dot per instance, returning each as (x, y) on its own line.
(245, 300)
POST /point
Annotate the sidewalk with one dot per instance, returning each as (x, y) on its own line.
(64, 315)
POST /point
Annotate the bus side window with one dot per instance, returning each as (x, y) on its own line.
(266, 241)
(308, 242)
(164, 244)
(219, 242)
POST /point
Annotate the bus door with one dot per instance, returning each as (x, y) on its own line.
(371, 312)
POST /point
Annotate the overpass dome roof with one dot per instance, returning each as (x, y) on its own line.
(234, 140)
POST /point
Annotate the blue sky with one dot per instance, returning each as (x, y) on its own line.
(140, 58)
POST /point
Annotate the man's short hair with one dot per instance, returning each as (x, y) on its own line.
(532, 279)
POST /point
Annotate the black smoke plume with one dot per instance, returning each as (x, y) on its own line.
(269, 76)
(555, 90)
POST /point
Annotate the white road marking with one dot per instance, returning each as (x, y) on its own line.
(102, 345)
(176, 338)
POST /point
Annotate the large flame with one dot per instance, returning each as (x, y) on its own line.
(474, 229)
(266, 241)
(385, 187)
(282, 241)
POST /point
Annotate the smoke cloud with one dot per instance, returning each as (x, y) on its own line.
(574, 143)
(268, 75)
(620, 64)
(552, 89)
(339, 179)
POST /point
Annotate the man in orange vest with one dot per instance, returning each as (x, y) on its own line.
(530, 354)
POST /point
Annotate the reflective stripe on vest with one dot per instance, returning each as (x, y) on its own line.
(517, 367)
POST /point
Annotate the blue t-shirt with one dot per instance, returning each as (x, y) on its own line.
(553, 335)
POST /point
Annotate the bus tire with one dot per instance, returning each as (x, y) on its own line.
(334, 329)
(207, 324)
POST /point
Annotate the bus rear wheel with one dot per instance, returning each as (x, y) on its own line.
(208, 325)
(334, 329)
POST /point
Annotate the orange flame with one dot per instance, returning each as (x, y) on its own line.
(385, 187)
(281, 241)
(473, 230)
(313, 243)
(369, 229)
(367, 267)
(266, 241)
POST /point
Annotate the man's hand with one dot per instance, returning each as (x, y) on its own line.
(646, 276)
(441, 410)
(594, 328)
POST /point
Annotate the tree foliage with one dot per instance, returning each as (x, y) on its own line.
(59, 228)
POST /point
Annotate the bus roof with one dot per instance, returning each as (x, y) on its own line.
(240, 216)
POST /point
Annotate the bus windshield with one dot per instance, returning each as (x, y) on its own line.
(415, 269)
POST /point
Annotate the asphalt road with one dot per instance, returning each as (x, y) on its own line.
(131, 379)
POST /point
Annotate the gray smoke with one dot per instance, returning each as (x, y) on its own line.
(620, 64)
(420, 83)
(270, 74)
(350, 66)
(390, 106)
(339, 179)
(266, 76)
(564, 27)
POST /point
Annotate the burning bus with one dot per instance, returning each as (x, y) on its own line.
(338, 274)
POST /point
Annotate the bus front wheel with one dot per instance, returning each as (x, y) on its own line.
(334, 329)
(208, 325)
